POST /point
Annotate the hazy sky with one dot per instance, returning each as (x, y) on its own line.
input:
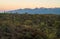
(15, 4)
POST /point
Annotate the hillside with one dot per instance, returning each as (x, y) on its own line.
(29, 26)
(37, 11)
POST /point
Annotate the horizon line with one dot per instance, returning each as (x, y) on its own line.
(30, 8)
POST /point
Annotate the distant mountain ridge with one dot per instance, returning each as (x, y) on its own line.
(37, 11)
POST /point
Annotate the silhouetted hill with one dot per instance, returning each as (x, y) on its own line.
(37, 11)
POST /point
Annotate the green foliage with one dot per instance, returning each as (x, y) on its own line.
(29, 26)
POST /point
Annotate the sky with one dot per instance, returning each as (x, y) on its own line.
(16, 4)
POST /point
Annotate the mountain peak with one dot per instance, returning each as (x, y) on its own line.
(37, 11)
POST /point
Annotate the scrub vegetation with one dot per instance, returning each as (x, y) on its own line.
(29, 26)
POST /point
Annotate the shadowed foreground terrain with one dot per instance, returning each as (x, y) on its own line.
(29, 26)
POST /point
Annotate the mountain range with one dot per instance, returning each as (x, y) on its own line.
(37, 11)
